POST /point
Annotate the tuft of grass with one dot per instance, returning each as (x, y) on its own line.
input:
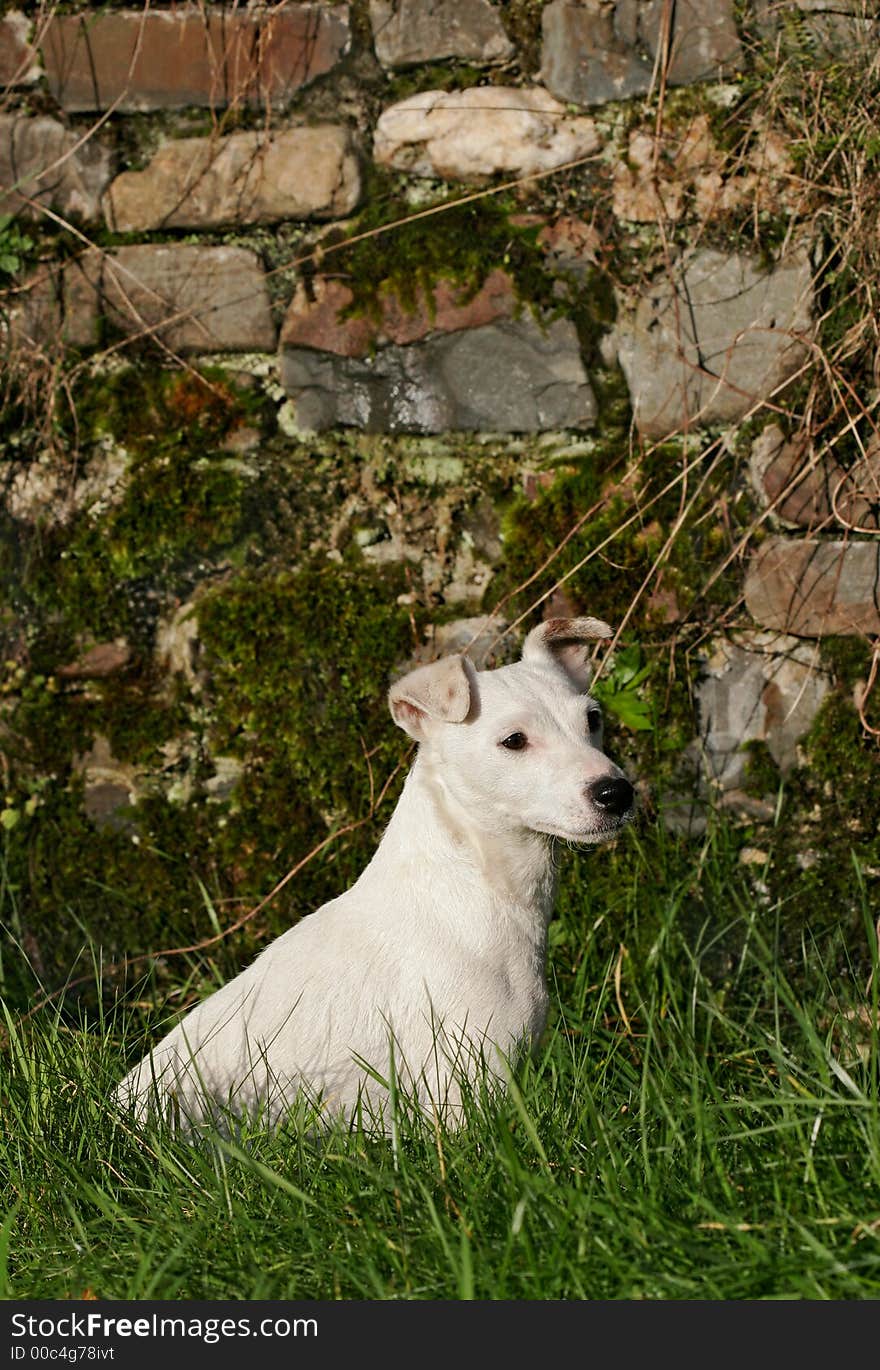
(701, 1122)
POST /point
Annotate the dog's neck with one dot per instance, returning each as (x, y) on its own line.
(433, 840)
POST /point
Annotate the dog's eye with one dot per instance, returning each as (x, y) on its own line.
(594, 721)
(515, 742)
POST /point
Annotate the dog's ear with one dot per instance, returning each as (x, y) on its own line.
(442, 692)
(564, 641)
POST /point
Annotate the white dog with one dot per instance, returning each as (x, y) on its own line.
(431, 968)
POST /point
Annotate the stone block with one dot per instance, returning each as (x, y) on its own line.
(470, 135)
(600, 50)
(707, 343)
(408, 32)
(815, 491)
(509, 376)
(44, 164)
(143, 59)
(245, 178)
(828, 29)
(18, 60)
(317, 318)
(192, 298)
(814, 589)
(763, 687)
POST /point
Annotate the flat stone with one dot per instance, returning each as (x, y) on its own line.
(762, 687)
(161, 59)
(510, 376)
(246, 178)
(110, 787)
(708, 343)
(590, 52)
(83, 304)
(193, 298)
(177, 644)
(483, 639)
(106, 804)
(705, 45)
(810, 491)
(97, 662)
(470, 135)
(40, 161)
(242, 441)
(316, 319)
(596, 51)
(407, 32)
(53, 307)
(18, 60)
(813, 589)
(832, 29)
(228, 771)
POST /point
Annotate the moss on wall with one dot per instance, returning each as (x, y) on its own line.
(298, 664)
(298, 637)
(311, 566)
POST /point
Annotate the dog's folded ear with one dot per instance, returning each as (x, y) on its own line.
(443, 692)
(564, 642)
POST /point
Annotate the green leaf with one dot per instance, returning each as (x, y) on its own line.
(632, 711)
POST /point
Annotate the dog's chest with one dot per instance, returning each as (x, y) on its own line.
(493, 979)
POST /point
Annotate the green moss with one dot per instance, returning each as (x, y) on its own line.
(847, 658)
(433, 76)
(299, 664)
(825, 844)
(847, 766)
(761, 771)
(522, 21)
(617, 558)
(462, 243)
(183, 501)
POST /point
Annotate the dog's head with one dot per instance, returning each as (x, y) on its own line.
(521, 746)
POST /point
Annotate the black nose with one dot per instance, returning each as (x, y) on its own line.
(612, 796)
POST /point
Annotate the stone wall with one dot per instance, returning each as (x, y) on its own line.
(329, 327)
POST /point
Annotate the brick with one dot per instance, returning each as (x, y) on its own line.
(164, 59)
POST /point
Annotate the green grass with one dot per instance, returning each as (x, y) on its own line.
(702, 1122)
